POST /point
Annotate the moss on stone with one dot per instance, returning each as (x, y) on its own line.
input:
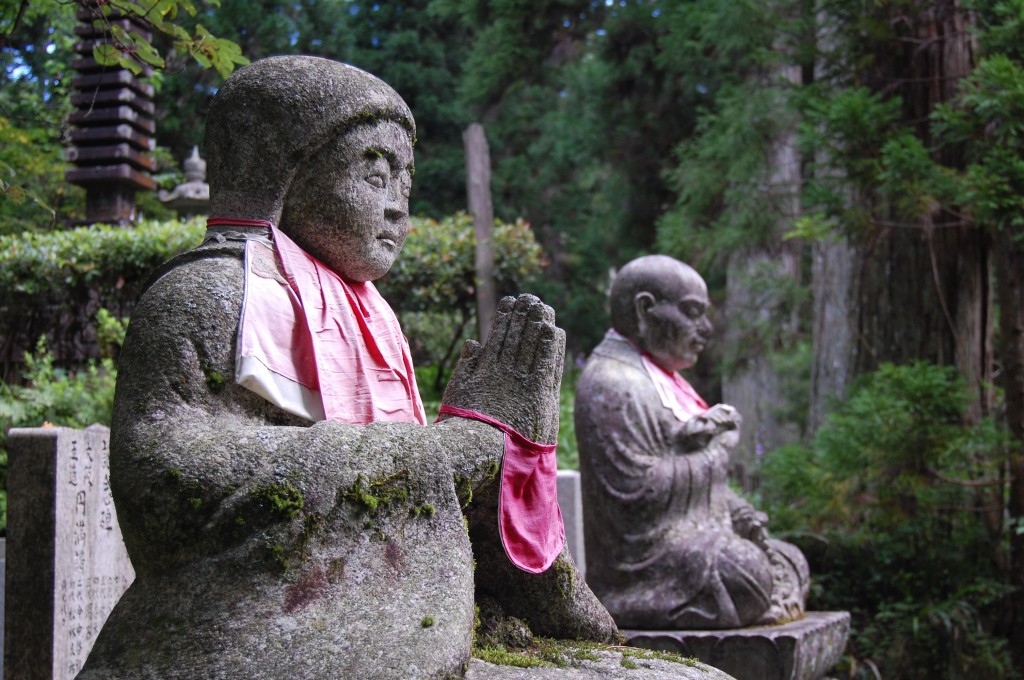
(671, 657)
(276, 502)
(541, 652)
(566, 578)
(424, 510)
(277, 556)
(374, 495)
(503, 657)
(464, 490)
(214, 379)
(427, 621)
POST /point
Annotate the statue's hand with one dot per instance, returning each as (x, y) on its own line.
(515, 376)
(720, 419)
(750, 524)
(725, 417)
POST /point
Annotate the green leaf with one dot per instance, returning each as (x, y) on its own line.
(106, 54)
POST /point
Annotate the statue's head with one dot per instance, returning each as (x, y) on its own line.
(320, 148)
(661, 304)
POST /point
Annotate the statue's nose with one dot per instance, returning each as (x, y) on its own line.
(397, 206)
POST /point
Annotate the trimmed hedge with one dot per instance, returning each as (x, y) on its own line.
(54, 282)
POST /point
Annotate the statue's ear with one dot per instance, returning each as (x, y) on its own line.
(642, 303)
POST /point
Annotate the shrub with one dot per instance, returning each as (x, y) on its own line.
(55, 282)
(432, 286)
(59, 397)
(899, 508)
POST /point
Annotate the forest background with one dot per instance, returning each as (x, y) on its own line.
(848, 175)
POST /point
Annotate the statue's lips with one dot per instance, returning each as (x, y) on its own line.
(388, 241)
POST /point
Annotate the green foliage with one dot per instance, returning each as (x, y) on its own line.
(899, 507)
(57, 396)
(568, 452)
(96, 257)
(131, 50)
(986, 119)
(55, 281)
(33, 112)
(432, 285)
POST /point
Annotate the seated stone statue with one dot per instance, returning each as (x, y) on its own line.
(288, 512)
(669, 544)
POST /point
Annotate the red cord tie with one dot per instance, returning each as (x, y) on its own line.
(529, 519)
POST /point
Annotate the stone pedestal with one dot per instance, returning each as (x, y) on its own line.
(802, 650)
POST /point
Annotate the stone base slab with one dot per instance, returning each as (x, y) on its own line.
(801, 650)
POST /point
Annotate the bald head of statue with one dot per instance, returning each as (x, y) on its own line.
(662, 304)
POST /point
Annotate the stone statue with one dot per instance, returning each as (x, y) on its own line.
(287, 510)
(672, 546)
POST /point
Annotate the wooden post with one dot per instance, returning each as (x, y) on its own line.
(478, 189)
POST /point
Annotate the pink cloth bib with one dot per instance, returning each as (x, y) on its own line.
(675, 392)
(329, 336)
(529, 519)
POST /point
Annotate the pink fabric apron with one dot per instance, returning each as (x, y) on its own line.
(675, 392)
(337, 338)
(529, 519)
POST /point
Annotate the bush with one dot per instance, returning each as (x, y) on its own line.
(432, 286)
(55, 282)
(59, 397)
(899, 508)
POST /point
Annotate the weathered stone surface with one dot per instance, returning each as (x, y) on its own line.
(269, 546)
(68, 564)
(670, 545)
(799, 650)
(615, 664)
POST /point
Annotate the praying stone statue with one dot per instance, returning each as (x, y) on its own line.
(288, 510)
(669, 544)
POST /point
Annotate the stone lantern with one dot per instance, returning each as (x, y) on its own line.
(193, 196)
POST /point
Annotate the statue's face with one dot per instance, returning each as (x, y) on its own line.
(348, 205)
(675, 330)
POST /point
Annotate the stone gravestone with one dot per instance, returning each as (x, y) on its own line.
(67, 565)
(571, 505)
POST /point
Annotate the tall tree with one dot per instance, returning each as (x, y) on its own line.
(738, 180)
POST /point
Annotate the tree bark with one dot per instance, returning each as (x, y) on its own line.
(909, 289)
(1010, 266)
(478, 188)
(758, 321)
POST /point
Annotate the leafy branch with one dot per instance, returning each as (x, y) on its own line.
(132, 51)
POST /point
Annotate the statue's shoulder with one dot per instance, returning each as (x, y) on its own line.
(220, 259)
(615, 354)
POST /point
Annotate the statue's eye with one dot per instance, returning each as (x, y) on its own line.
(693, 309)
(377, 180)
